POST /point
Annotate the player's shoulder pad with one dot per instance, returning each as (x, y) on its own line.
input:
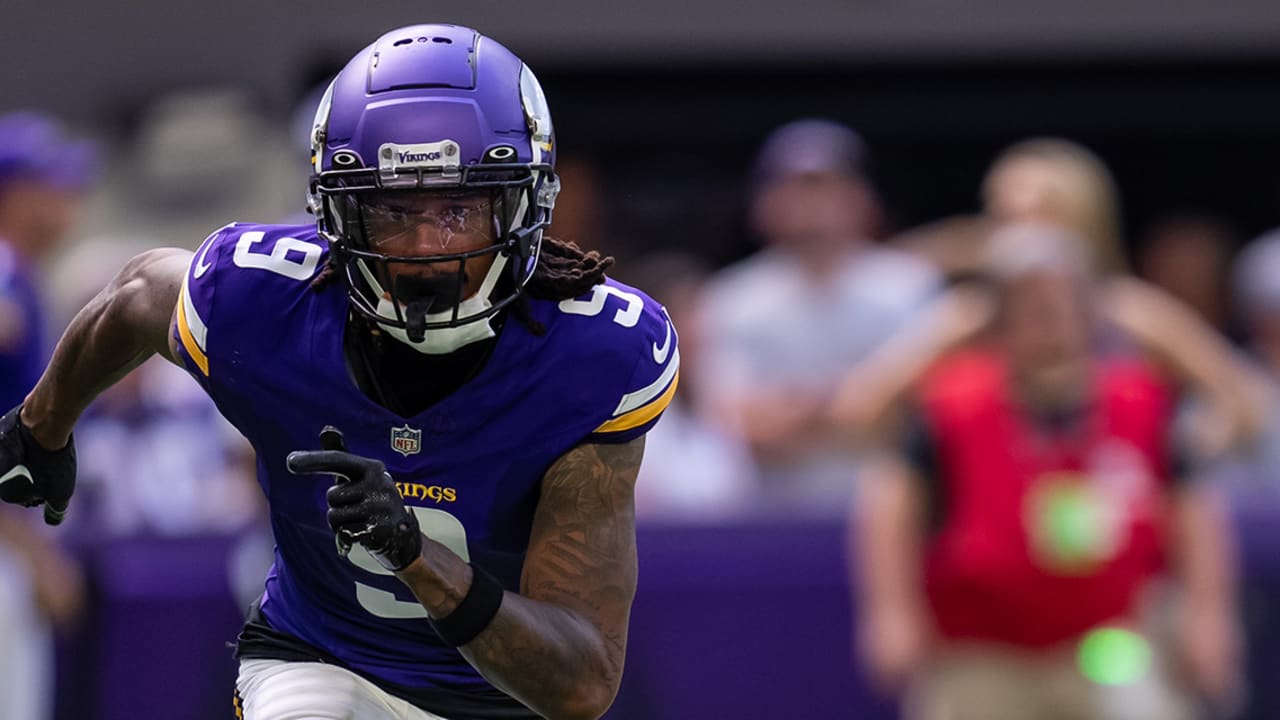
(629, 352)
(238, 263)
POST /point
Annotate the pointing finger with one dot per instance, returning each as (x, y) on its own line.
(336, 462)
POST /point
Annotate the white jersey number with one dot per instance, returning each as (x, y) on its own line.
(626, 317)
(279, 261)
(436, 524)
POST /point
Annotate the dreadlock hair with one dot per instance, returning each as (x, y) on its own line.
(327, 275)
(564, 271)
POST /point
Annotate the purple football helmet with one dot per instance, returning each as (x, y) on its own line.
(433, 111)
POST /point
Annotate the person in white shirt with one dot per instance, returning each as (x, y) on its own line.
(783, 325)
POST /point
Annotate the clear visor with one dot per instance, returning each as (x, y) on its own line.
(418, 224)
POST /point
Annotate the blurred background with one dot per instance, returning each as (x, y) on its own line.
(822, 194)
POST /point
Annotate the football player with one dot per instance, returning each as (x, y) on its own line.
(457, 399)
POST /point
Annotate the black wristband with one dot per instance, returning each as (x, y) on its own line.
(474, 613)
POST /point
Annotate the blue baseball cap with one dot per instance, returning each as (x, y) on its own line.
(35, 146)
(1257, 274)
(806, 147)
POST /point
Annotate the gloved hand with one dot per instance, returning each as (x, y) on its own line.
(364, 505)
(31, 475)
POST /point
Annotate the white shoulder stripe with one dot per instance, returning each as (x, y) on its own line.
(633, 400)
(194, 323)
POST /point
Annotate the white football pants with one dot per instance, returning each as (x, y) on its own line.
(282, 690)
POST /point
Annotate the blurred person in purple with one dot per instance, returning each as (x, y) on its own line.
(1009, 556)
(1254, 472)
(1059, 182)
(43, 174)
(783, 325)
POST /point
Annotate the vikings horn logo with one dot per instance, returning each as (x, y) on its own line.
(406, 441)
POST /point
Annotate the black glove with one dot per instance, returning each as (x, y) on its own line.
(364, 505)
(31, 475)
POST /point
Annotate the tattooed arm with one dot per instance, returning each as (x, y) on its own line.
(558, 645)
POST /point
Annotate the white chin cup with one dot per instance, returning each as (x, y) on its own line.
(443, 340)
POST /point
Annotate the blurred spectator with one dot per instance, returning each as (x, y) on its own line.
(1043, 179)
(198, 156)
(1061, 183)
(156, 458)
(1008, 556)
(693, 468)
(1189, 256)
(43, 174)
(40, 589)
(1255, 472)
(783, 325)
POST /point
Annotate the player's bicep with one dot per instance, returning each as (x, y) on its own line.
(147, 289)
(582, 549)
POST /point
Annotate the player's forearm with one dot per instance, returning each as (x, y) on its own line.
(549, 658)
(121, 327)
(546, 656)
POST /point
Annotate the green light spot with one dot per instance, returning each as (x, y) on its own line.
(1072, 527)
(1111, 656)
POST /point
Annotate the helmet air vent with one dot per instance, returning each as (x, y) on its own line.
(434, 58)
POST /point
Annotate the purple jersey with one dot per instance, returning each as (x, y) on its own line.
(268, 349)
(22, 362)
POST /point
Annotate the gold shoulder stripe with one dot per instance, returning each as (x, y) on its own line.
(184, 332)
(644, 414)
(644, 395)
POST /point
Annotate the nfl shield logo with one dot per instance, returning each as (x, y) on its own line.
(406, 441)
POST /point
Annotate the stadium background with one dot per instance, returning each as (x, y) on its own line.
(665, 102)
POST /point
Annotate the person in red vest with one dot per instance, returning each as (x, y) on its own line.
(1009, 556)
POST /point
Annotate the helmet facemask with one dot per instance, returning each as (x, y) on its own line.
(413, 244)
(406, 121)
